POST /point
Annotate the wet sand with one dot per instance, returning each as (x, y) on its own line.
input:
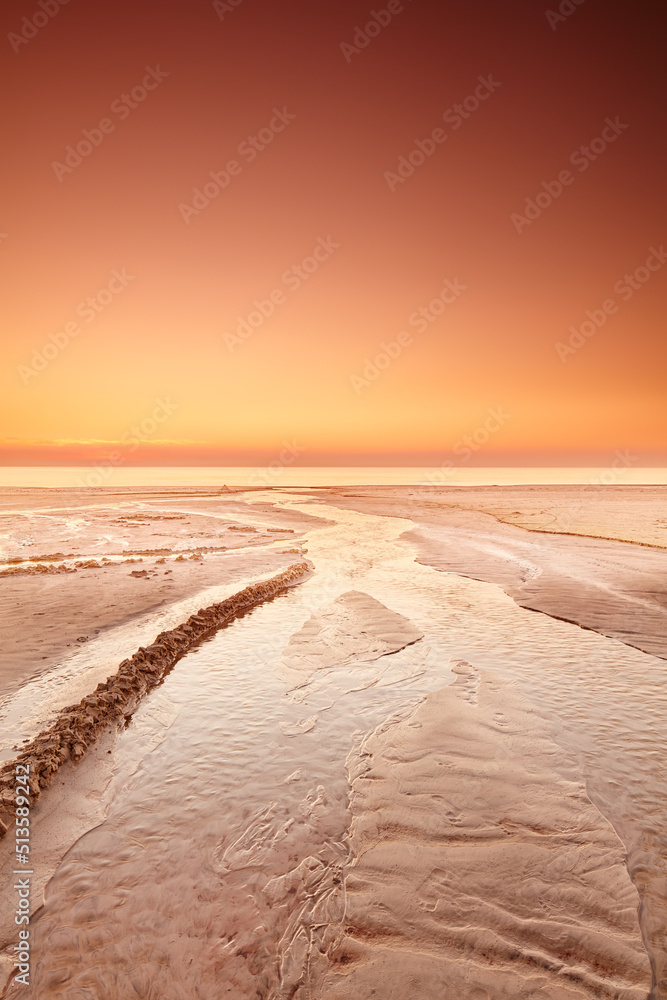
(494, 837)
(480, 867)
(614, 582)
(79, 726)
(75, 565)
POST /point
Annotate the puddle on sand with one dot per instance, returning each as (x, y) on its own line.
(215, 871)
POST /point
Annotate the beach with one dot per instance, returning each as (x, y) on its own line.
(423, 755)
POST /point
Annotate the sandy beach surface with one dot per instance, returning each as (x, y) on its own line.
(432, 765)
(472, 834)
(75, 566)
(552, 550)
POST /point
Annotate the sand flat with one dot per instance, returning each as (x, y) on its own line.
(480, 868)
(616, 512)
(354, 627)
(75, 564)
(473, 862)
(592, 556)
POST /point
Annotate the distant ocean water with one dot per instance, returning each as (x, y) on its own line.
(126, 476)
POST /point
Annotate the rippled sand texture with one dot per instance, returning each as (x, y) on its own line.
(79, 727)
(481, 870)
(355, 627)
(474, 855)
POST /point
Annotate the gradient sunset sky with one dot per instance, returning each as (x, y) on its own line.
(336, 112)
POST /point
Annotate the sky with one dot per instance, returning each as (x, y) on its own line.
(317, 233)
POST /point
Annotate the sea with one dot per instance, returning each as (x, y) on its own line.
(64, 477)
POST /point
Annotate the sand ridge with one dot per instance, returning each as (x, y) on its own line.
(78, 726)
(67, 562)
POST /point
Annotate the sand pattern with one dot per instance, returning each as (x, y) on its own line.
(480, 868)
(355, 627)
(465, 858)
(78, 726)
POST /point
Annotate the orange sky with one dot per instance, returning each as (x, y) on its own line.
(161, 374)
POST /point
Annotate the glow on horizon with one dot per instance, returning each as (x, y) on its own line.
(262, 477)
(332, 263)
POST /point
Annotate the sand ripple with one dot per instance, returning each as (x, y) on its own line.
(355, 627)
(480, 867)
